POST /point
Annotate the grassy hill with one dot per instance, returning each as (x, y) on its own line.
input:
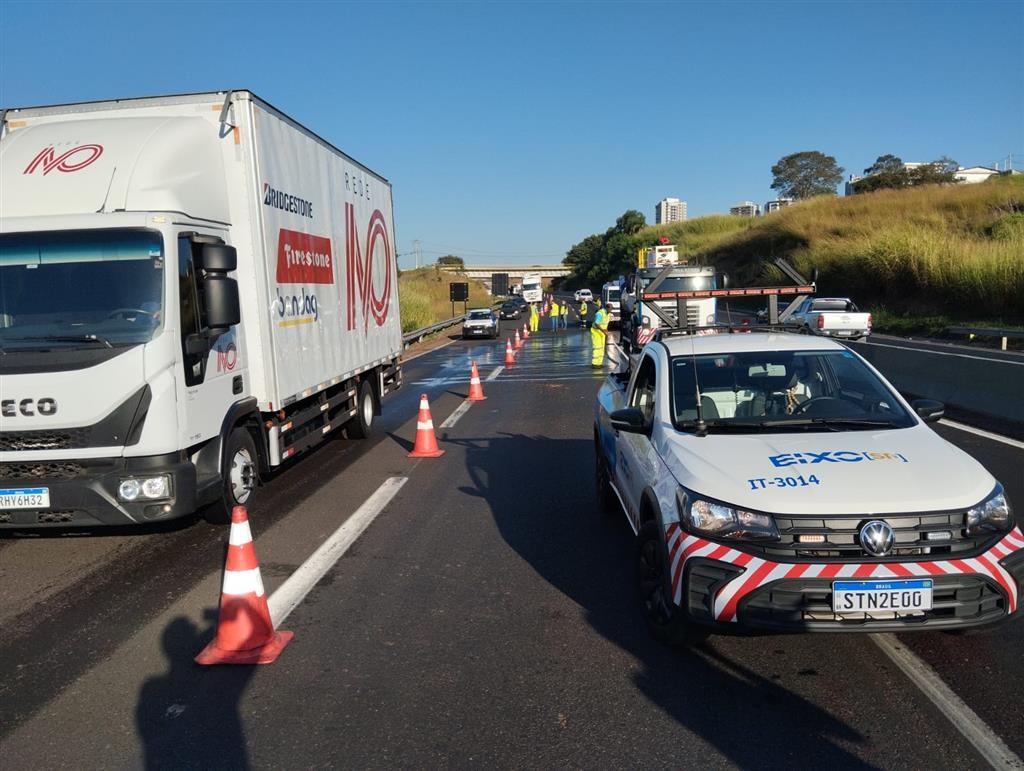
(952, 253)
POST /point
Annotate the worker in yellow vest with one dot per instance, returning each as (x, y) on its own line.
(555, 311)
(583, 314)
(534, 317)
(599, 335)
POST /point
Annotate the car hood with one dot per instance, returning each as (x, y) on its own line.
(848, 472)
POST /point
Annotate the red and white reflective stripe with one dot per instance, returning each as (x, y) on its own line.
(238, 583)
(644, 335)
(759, 572)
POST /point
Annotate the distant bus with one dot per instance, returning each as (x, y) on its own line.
(532, 291)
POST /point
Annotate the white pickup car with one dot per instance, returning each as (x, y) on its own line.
(778, 482)
(831, 317)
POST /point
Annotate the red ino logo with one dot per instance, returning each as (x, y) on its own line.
(362, 270)
(304, 259)
(227, 358)
(75, 159)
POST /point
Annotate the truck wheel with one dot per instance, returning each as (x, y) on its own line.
(359, 426)
(666, 622)
(239, 479)
(606, 500)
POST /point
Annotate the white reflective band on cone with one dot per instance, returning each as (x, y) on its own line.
(240, 534)
(429, 424)
(240, 582)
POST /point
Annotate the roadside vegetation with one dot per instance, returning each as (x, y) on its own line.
(424, 296)
(919, 259)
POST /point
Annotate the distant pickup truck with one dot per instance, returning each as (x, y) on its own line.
(831, 317)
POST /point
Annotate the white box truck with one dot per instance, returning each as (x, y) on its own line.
(193, 289)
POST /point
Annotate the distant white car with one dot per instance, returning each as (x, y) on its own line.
(480, 322)
(584, 294)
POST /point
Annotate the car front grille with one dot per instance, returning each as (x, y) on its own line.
(917, 535)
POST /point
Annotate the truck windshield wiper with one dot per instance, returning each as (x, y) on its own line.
(67, 339)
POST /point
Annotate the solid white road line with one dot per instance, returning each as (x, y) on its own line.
(962, 717)
(986, 434)
(294, 590)
(945, 353)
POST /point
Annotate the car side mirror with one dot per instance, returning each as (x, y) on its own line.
(631, 420)
(928, 410)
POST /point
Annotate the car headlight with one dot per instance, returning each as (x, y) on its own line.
(992, 515)
(719, 520)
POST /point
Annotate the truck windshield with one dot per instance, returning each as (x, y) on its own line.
(77, 288)
(783, 390)
(683, 283)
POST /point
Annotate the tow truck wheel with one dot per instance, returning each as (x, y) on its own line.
(359, 426)
(239, 479)
(665, 621)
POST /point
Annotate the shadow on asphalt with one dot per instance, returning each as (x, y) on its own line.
(588, 557)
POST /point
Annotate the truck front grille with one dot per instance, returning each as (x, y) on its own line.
(40, 471)
(67, 439)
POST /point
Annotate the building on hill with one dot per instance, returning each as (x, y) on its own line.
(778, 203)
(746, 209)
(669, 210)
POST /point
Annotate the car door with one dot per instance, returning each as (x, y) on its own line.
(633, 461)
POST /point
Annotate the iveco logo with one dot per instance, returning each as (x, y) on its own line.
(12, 408)
(877, 538)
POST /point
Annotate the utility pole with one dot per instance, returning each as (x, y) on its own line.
(418, 252)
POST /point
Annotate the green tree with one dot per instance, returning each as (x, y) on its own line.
(806, 174)
(940, 172)
(887, 172)
(630, 223)
(451, 259)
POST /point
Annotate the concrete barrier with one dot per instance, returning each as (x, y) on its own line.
(963, 378)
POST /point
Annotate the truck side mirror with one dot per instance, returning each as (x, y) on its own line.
(217, 258)
(223, 309)
(722, 281)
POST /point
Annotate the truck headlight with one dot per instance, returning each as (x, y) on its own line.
(992, 515)
(720, 520)
(145, 488)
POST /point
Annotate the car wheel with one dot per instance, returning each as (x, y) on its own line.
(666, 622)
(359, 426)
(239, 478)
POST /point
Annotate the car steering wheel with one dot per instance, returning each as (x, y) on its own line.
(129, 313)
(802, 407)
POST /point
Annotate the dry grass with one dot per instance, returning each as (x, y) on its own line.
(424, 296)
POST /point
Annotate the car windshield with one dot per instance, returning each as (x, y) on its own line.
(479, 316)
(75, 288)
(782, 390)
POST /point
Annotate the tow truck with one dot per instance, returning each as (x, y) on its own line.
(777, 482)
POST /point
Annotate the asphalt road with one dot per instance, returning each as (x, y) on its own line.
(485, 618)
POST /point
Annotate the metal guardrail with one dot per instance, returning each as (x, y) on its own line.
(418, 334)
(1003, 334)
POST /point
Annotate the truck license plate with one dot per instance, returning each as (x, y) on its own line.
(24, 498)
(882, 597)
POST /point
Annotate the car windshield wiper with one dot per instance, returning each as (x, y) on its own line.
(832, 424)
(66, 339)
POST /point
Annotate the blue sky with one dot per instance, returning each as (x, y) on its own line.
(512, 130)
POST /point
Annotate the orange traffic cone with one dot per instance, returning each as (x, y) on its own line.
(519, 341)
(476, 391)
(426, 442)
(245, 633)
(510, 358)
(526, 332)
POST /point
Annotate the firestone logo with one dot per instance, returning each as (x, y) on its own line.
(303, 258)
(75, 159)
